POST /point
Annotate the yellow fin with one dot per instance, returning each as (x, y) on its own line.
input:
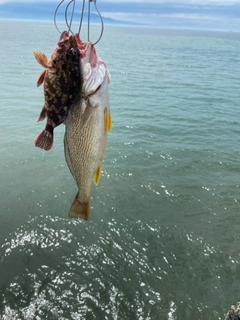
(97, 175)
(41, 58)
(79, 210)
(107, 121)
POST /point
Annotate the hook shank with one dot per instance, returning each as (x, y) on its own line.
(70, 21)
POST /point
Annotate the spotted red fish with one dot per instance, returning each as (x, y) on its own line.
(62, 85)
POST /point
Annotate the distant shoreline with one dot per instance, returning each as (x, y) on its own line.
(125, 25)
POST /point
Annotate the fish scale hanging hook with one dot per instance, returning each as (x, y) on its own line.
(69, 21)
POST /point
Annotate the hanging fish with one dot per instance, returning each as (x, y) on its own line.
(87, 125)
(62, 85)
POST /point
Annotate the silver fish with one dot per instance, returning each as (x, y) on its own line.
(87, 126)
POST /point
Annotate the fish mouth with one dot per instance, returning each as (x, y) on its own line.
(64, 35)
(84, 48)
(65, 42)
(87, 52)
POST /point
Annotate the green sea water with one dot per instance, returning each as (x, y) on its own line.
(163, 240)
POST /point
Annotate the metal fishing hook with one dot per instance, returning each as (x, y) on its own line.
(101, 19)
(69, 21)
(81, 18)
(69, 24)
(55, 15)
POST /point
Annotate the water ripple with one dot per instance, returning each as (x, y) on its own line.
(129, 270)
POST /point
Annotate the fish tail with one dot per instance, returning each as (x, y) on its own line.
(44, 140)
(80, 209)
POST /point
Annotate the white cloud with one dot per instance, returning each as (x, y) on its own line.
(164, 12)
(180, 18)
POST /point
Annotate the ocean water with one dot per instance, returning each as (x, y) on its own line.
(163, 240)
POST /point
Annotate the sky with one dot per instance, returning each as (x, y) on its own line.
(198, 14)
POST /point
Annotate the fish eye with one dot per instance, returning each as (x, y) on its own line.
(71, 51)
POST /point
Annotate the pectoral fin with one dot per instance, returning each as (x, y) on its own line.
(110, 122)
(107, 121)
(41, 59)
(87, 114)
(97, 175)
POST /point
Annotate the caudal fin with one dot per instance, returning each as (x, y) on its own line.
(79, 210)
(44, 140)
